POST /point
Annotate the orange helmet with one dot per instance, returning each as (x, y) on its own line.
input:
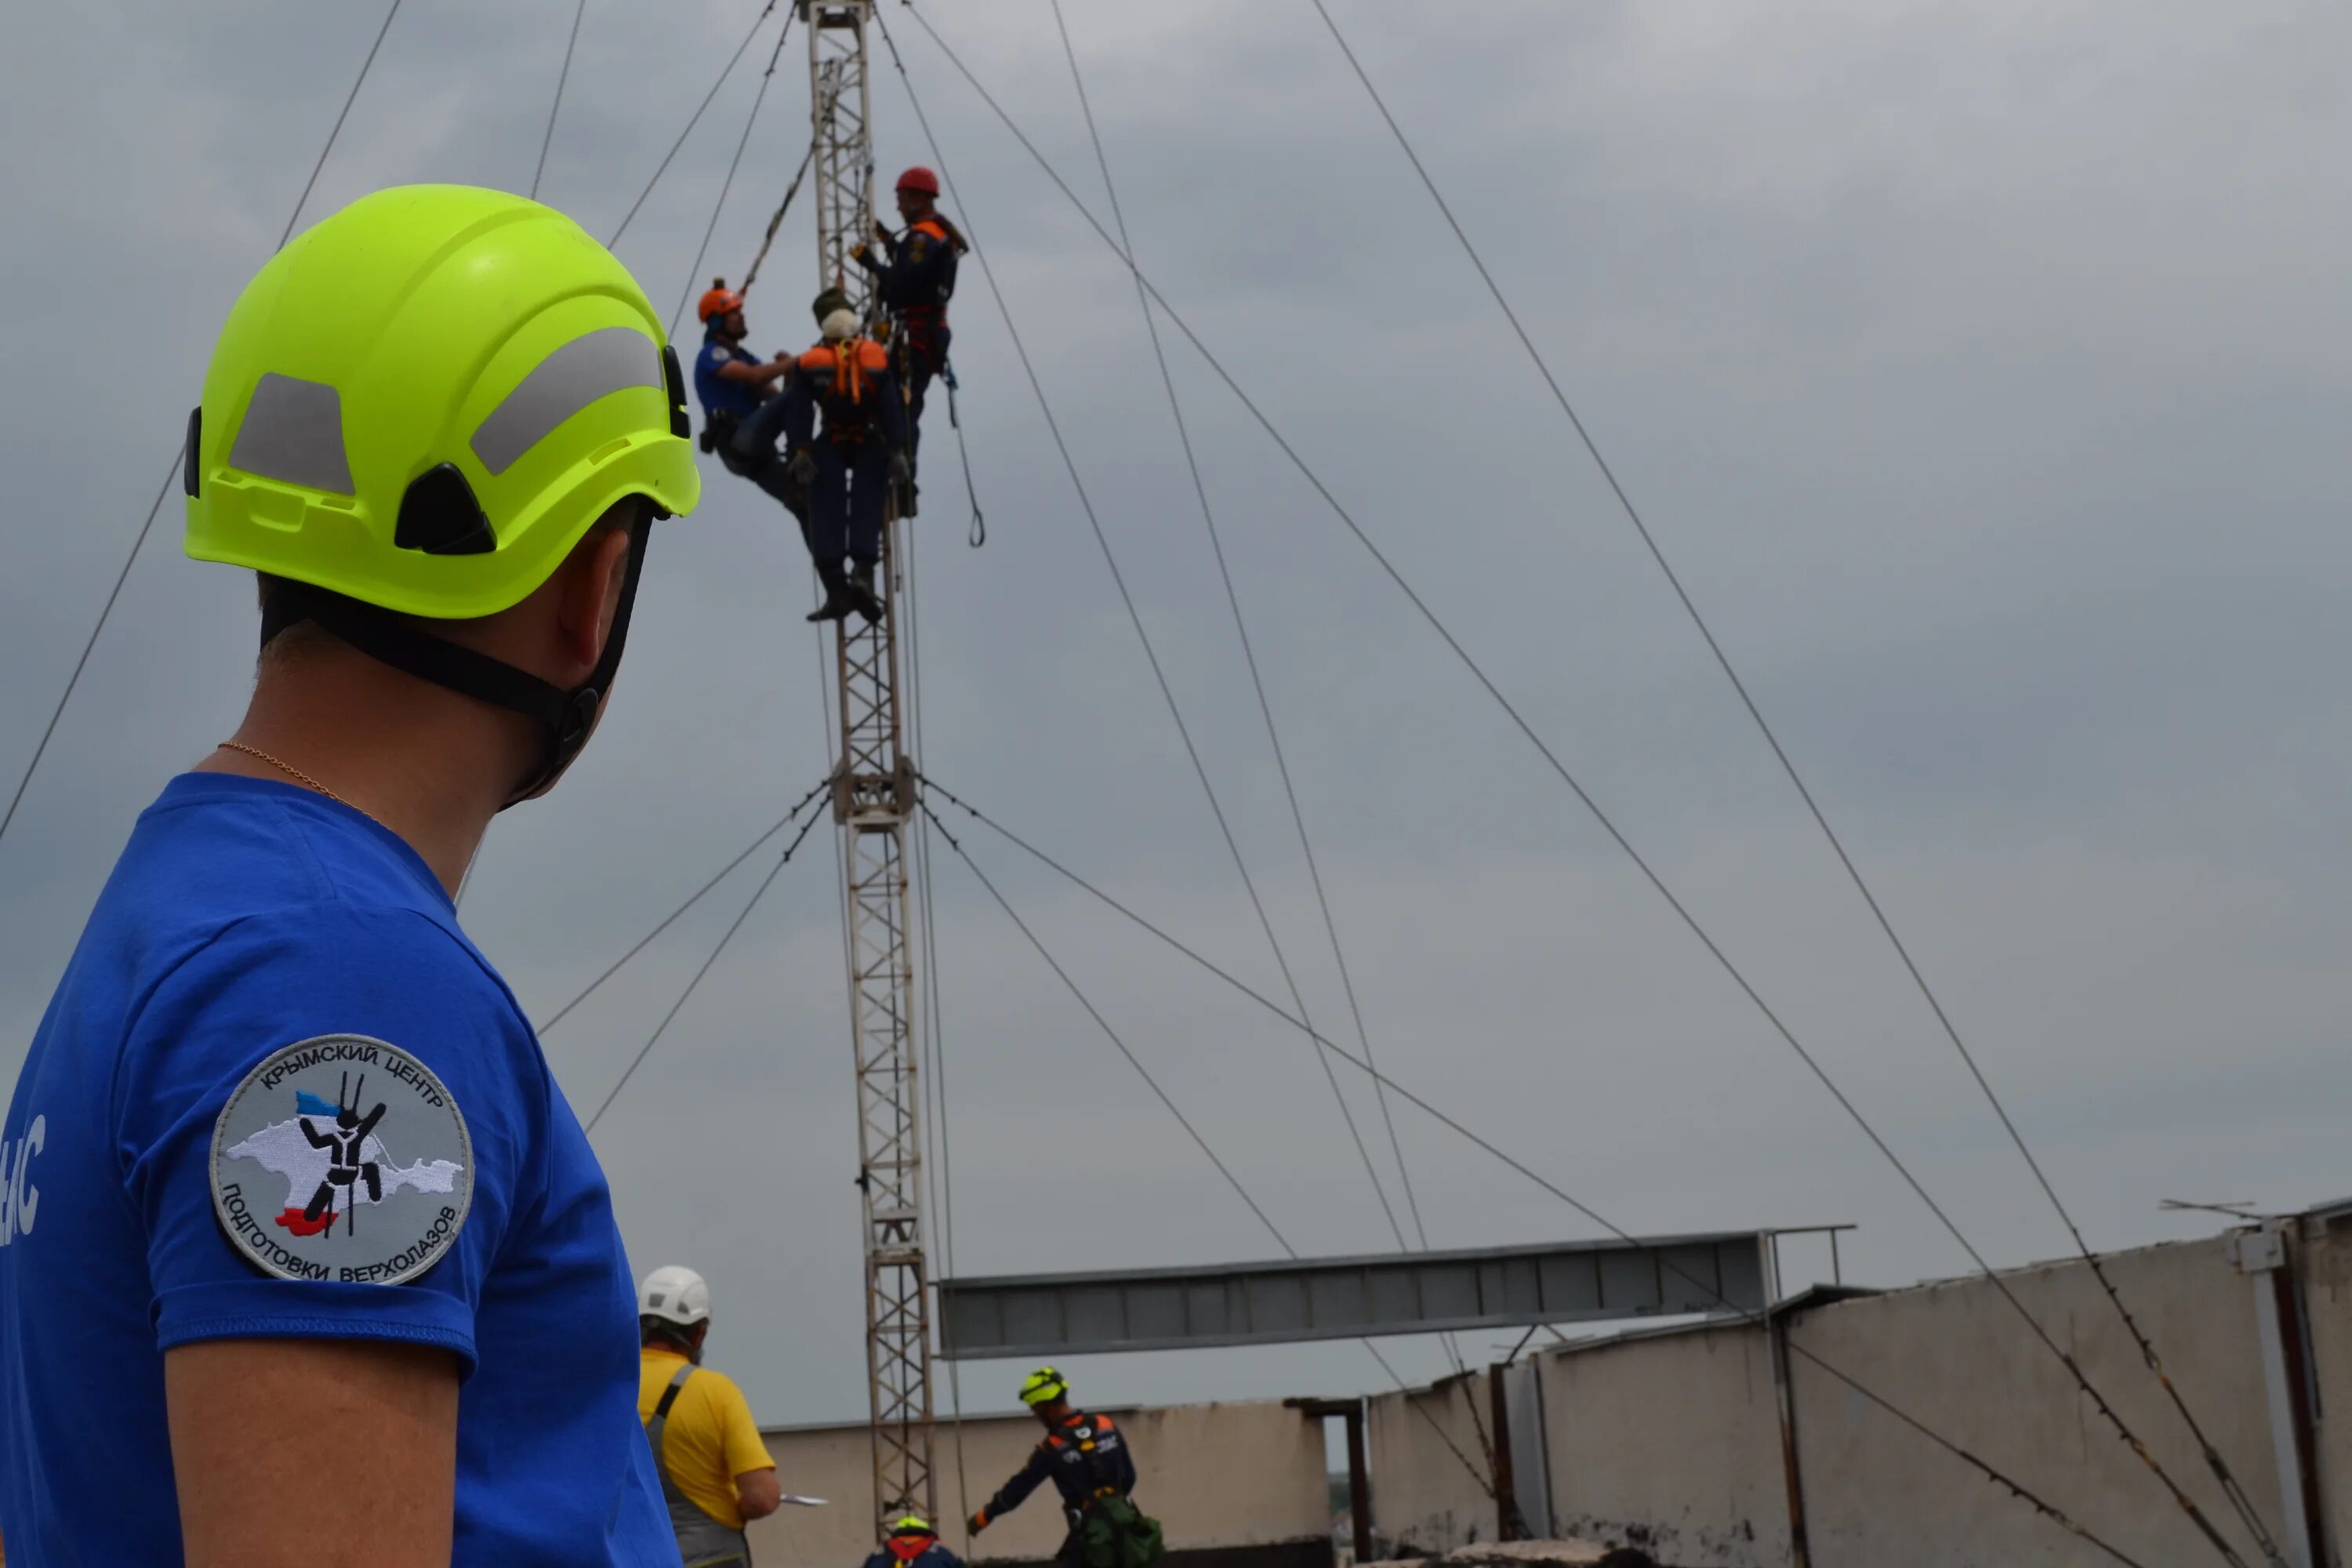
(717, 301)
(919, 179)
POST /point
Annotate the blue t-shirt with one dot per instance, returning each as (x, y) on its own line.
(159, 1119)
(719, 394)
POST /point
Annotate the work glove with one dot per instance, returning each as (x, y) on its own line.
(857, 251)
(977, 1522)
(800, 467)
(902, 472)
(881, 229)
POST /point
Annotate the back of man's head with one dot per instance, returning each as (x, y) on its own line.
(408, 451)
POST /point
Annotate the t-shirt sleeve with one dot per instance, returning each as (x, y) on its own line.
(331, 1193)
(739, 1434)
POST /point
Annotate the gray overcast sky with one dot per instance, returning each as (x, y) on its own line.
(1983, 366)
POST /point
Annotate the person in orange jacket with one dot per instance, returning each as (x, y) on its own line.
(914, 275)
(850, 463)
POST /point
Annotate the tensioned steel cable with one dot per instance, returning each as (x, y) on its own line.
(547, 138)
(1445, 1120)
(1135, 619)
(934, 1018)
(776, 219)
(671, 918)
(2231, 1488)
(1258, 681)
(732, 60)
(676, 1007)
(1182, 1120)
(2039, 1504)
(733, 164)
(1591, 806)
(179, 457)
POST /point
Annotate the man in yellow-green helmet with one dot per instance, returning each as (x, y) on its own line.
(1087, 1459)
(292, 1170)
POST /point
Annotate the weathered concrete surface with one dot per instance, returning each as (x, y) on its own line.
(1240, 1485)
(1530, 1554)
(1426, 1499)
(1958, 1359)
(2325, 1266)
(1670, 1443)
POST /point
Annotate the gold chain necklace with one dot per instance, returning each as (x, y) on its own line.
(298, 776)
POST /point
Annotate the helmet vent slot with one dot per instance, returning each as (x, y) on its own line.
(439, 516)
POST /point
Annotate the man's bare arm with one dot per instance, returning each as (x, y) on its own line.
(758, 1493)
(262, 1429)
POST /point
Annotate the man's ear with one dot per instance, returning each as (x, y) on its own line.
(590, 595)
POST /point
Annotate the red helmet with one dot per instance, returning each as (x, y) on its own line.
(919, 179)
(717, 301)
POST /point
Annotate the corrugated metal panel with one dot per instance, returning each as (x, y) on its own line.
(1342, 1297)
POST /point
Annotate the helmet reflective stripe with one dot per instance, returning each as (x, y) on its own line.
(564, 382)
(419, 328)
(293, 431)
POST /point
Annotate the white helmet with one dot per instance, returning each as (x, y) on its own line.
(675, 1295)
(839, 325)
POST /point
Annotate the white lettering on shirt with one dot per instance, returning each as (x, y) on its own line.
(20, 1201)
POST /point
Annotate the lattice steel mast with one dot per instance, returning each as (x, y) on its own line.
(873, 799)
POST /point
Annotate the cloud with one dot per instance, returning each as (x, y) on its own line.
(1981, 368)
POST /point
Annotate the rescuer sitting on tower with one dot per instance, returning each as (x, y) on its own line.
(915, 276)
(1087, 1458)
(850, 465)
(731, 382)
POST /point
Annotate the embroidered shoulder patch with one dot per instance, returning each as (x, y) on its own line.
(341, 1157)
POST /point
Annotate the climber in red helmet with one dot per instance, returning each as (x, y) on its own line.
(915, 273)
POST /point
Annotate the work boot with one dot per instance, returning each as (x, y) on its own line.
(839, 599)
(860, 590)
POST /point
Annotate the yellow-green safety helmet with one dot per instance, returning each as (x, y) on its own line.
(424, 401)
(417, 408)
(912, 1525)
(1045, 1385)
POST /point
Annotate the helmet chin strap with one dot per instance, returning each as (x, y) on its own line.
(566, 718)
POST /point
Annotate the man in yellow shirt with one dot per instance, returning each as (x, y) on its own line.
(715, 1471)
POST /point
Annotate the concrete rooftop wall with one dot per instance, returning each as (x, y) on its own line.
(1244, 1482)
(1673, 1443)
(1957, 1358)
(1671, 1440)
(1424, 1496)
(2327, 1272)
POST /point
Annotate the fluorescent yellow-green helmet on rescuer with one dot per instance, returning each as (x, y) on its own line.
(1042, 1388)
(425, 401)
(417, 409)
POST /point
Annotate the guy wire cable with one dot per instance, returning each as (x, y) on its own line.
(1184, 1122)
(1150, 654)
(547, 138)
(1519, 1166)
(2231, 1488)
(733, 164)
(663, 1027)
(1257, 682)
(696, 118)
(1608, 824)
(2041, 1505)
(670, 918)
(179, 457)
